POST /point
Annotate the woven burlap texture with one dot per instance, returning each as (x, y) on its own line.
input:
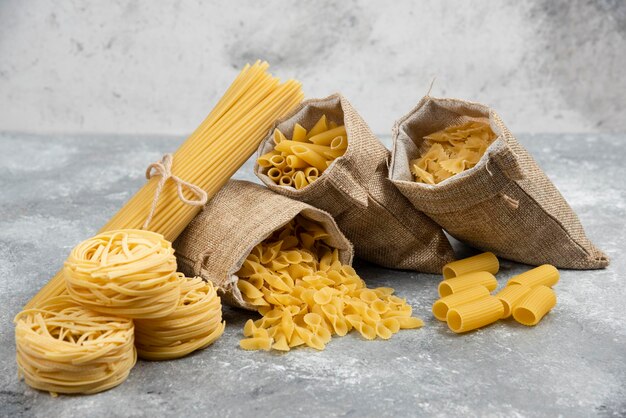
(505, 204)
(218, 240)
(380, 222)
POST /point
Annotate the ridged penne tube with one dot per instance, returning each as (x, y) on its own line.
(311, 171)
(295, 162)
(274, 173)
(264, 160)
(326, 138)
(285, 181)
(299, 180)
(299, 133)
(443, 305)
(287, 146)
(467, 281)
(481, 262)
(319, 127)
(510, 297)
(310, 156)
(475, 314)
(538, 302)
(545, 275)
(278, 161)
(339, 143)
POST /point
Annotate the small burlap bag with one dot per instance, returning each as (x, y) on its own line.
(218, 240)
(380, 222)
(505, 204)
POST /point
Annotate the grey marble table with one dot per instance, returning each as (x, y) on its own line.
(56, 190)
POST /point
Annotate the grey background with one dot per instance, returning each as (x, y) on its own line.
(142, 66)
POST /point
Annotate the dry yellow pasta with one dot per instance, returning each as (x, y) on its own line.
(546, 275)
(306, 295)
(510, 297)
(535, 305)
(195, 324)
(130, 273)
(481, 262)
(63, 347)
(443, 305)
(305, 151)
(208, 158)
(475, 314)
(452, 151)
(467, 281)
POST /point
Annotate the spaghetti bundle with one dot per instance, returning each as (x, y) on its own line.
(63, 347)
(208, 158)
(195, 323)
(131, 273)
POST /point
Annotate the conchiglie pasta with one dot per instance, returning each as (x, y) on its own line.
(306, 295)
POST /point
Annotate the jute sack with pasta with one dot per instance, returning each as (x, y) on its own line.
(458, 162)
(350, 182)
(216, 243)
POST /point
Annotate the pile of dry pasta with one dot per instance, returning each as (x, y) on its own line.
(119, 294)
(467, 304)
(306, 295)
(86, 342)
(452, 151)
(299, 161)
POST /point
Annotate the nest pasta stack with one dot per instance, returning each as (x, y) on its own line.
(288, 261)
(339, 166)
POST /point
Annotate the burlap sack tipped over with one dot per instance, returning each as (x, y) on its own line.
(382, 224)
(240, 216)
(505, 204)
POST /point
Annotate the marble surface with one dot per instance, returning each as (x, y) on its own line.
(56, 190)
(141, 66)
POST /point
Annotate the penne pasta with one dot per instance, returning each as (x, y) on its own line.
(296, 162)
(319, 127)
(310, 156)
(535, 305)
(325, 138)
(299, 133)
(476, 314)
(442, 306)
(510, 297)
(467, 281)
(545, 275)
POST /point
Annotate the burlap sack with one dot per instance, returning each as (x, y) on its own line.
(382, 224)
(505, 204)
(218, 240)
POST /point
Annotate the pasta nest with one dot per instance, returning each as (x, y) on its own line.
(195, 323)
(63, 347)
(129, 272)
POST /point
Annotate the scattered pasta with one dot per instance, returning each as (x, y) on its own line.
(476, 314)
(291, 162)
(535, 305)
(481, 262)
(467, 281)
(443, 305)
(510, 297)
(195, 324)
(63, 347)
(130, 273)
(306, 295)
(452, 151)
(545, 275)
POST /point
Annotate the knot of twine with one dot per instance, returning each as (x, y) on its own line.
(163, 169)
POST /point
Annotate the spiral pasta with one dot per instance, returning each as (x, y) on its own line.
(306, 295)
(63, 347)
(129, 272)
(196, 323)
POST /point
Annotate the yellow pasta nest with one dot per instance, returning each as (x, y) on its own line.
(129, 272)
(467, 304)
(306, 295)
(63, 347)
(452, 151)
(196, 323)
(301, 160)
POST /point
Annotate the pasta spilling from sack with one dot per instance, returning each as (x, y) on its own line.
(306, 295)
(130, 272)
(195, 324)
(452, 151)
(63, 347)
(299, 161)
(467, 304)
